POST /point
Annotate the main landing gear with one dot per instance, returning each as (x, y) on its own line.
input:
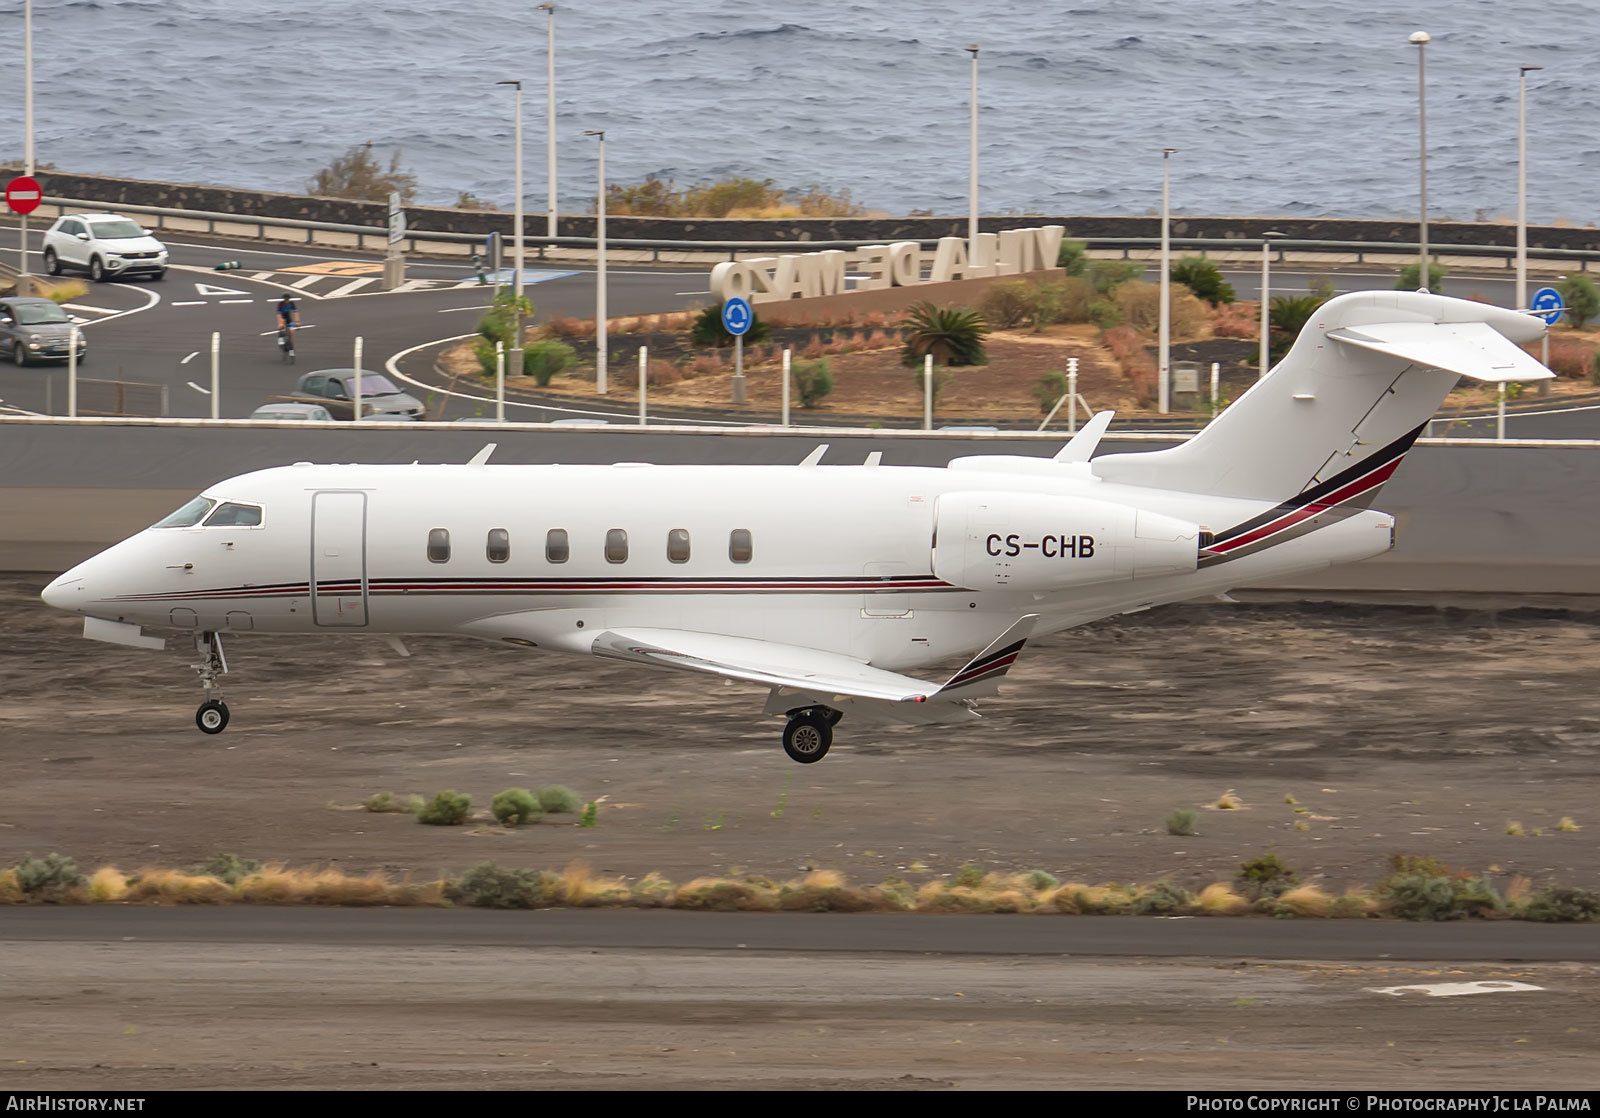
(212, 717)
(809, 733)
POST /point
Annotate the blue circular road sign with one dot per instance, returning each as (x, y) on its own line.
(736, 316)
(1547, 305)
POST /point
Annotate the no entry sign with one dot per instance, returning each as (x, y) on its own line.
(23, 194)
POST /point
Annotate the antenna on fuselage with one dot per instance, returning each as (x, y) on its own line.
(482, 457)
(1083, 444)
(815, 457)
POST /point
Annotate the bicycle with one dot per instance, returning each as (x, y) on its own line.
(286, 343)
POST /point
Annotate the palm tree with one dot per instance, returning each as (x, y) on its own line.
(954, 335)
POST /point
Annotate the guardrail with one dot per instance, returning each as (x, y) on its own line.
(540, 246)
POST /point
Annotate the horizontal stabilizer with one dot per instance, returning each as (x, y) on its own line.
(1469, 349)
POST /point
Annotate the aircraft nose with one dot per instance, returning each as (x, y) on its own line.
(66, 592)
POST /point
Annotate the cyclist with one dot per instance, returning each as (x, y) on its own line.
(288, 319)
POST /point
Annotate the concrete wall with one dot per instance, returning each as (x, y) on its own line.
(1472, 518)
(220, 199)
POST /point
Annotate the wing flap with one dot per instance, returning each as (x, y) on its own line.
(1469, 349)
(757, 661)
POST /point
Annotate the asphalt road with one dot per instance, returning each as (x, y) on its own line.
(159, 333)
(1110, 936)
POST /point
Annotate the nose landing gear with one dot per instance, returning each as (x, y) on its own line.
(809, 733)
(212, 717)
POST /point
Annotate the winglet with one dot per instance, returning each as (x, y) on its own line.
(815, 457)
(983, 672)
(482, 457)
(1083, 444)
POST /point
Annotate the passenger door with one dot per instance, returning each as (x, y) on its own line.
(339, 558)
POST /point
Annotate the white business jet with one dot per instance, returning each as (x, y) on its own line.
(824, 584)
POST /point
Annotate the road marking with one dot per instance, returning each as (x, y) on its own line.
(452, 310)
(153, 298)
(190, 358)
(691, 293)
(211, 289)
(339, 268)
(1453, 989)
(346, 289)
(235, 300)
(274, 333)
(91, 310)
(190, 303)
(197, 388)
(302, 284)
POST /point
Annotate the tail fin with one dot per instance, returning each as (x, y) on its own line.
(1347, 402)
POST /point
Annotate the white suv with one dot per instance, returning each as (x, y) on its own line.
(107, 246)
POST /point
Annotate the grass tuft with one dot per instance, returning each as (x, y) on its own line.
(385, 803)
(1514, 828)
(1228, 801)
(1219, 899)
(1567, 826)
(1306, 900)
(106, 884)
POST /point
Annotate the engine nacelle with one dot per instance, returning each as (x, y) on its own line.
(1031, 541)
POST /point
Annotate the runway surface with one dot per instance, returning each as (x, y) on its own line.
(1011, 935)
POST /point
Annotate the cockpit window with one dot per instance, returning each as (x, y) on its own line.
(189, 515)
(232, 515)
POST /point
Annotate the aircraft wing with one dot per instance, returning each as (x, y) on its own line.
(811, 671)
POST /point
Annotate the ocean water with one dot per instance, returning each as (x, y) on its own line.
(1274, 106)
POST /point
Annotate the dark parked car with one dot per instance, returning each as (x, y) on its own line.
(36, 330)
(334, 389)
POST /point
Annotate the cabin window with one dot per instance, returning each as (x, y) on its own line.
(739, 549)
(678, 545)
(439, 545)
(616, 546)
(499, 546)
(232, 515)
(556, 547)
(189, 515)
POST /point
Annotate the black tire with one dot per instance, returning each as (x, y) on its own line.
(97, 270)
(807, 737)
(19, 354)
(51, 263)
(212, 717)
(161, 275)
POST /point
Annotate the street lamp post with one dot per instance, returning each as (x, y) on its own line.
(550, 113)
(1164, 346)
(516, 236)
(972, 177)
(1421, 39)
(1266, 297)
(600, 272)
(24, 284)
(1522, 190)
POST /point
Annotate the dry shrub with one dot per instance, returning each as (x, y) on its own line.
(940, 896)
(1219, 899)
(724, 894)
(1570, 357)
(335, 888)
(653, 891)
(1517, 892)
(778, 321)
(567, 327)
(1307, 900)
(10, 888)
(1076, 293)
(1356, 901)
(834, 346)
(106, 884)
(875, 320)
(814, 348)
(1140, 304)
(881, 339)
(705, 365)
(178, 888)
(1236, 320)
(577, 885)
(661, 373)
(823, 891)
(272, 885)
